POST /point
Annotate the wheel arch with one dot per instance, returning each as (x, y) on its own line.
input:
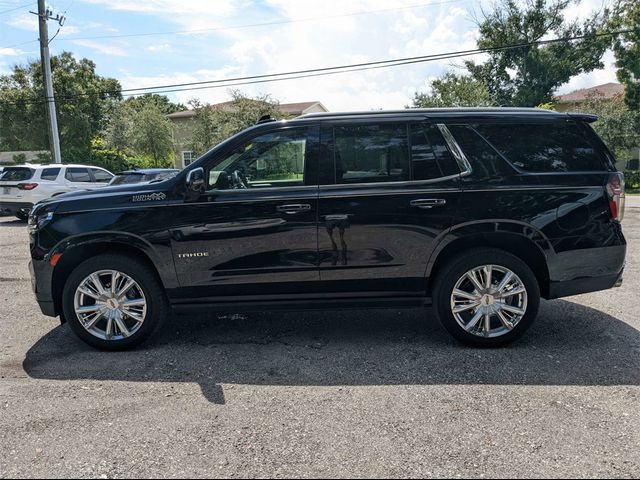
(73, 253)
(526, 243)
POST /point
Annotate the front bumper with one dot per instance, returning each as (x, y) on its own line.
(41, 280)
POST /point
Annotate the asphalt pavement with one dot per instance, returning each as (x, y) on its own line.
(372, 393)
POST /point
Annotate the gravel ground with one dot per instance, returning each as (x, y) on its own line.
(340, 394)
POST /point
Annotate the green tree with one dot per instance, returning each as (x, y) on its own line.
(82, 100)
(212, 124)
(162, 102)
(627, 49)
(452, 90)
(152, 135)
(205, 127)
(528, 76)
(118, 131)
(617, 124)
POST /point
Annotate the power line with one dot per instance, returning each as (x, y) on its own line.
(263, 24)
(317, 72)
(16, 8)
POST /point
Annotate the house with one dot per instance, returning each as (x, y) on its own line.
(572, 101)
(182, 126)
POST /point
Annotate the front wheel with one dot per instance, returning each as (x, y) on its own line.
(486, 297)
(114, 302)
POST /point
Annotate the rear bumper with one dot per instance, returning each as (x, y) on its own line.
(586, 270)
(15, 207)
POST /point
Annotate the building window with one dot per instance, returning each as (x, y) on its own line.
(187, 158)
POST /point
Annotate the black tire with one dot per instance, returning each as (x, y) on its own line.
(158, 308)
(466, 261)
(22, 216)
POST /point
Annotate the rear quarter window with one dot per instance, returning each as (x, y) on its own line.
(17, 174)
(77, 175)
(545, 147)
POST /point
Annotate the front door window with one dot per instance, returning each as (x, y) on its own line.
(275, 159)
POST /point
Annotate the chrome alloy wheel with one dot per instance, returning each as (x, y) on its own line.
(489, 301)
(110, 305)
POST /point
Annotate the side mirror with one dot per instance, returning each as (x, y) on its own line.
(195, 180)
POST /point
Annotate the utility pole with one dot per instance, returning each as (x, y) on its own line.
(43, 16)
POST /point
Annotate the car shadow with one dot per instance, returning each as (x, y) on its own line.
(7, 221)
(570, 344)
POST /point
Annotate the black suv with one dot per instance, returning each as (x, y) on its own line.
(479, 212)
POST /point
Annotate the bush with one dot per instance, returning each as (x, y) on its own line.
(115, 161)
(632, 179)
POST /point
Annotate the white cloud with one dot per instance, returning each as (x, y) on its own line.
(104, 48)
(10, 52)
(163, 47)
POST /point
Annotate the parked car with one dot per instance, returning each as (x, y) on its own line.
(478, 212)
(22, 186)
(143, 175)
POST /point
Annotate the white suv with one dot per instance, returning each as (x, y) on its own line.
(23, 186)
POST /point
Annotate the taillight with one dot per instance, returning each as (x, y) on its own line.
(27, 186)
(615, 194)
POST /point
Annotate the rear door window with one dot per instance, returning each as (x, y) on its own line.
(371, 153)
(76, 175)
(19, 174)
(486, 163)
(49, 174)
(430, 157)
(544, 147)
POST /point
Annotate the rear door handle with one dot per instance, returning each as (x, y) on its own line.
(294, 208)
(425, 203)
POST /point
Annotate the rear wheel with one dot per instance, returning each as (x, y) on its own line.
(486, 297)
(114, 302)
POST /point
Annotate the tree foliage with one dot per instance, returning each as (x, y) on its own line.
(82, 100)
(453, 90)
(627, 49)
(528, 76)
(212, 124)
(151, 135)
(617, 124)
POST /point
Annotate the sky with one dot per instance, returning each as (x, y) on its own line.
(158, 42)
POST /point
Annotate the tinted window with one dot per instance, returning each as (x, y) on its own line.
(547, 147)
(371, 153)
(430, 157)
(77, 175)
(49, 173)
(16, 174)
(275, 159)
(485, 162)
(101, 176)
(121, 179)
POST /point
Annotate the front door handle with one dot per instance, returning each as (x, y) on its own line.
(294, 208)
(425, 203)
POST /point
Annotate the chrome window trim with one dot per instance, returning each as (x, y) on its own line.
(400, 183)
(461, 158)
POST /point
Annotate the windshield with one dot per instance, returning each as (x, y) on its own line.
(121, 179)
(16, 174)
(140, 177)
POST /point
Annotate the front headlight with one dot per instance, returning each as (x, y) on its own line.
(39, 221)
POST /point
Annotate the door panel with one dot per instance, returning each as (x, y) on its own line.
(396, 188)
(376, 236)
(254, 240)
